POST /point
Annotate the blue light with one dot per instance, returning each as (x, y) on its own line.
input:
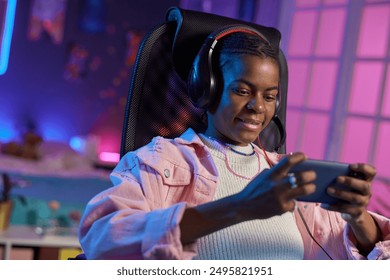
(7, 132)
(78, 144)
(7, 35)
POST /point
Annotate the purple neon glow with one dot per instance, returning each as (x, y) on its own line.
(322, 84)
(374, 31)
(298, 75)
(293, 121)
(314, 136)
(302, 33)
(386, 101)
(366, 83)
(307, 3)
(380, 195)
(382, 160)
(334, 2)
(357, 140)
(330, 32)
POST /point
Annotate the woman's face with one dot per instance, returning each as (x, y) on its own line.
(248, 100)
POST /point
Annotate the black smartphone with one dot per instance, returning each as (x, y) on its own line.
(327, 173)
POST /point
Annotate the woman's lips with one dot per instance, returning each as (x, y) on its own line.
(251, 124)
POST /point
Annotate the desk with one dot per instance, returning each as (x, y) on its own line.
(25, 236)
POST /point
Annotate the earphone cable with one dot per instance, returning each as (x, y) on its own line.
(299, 210)
(311, 235)
(265, 152)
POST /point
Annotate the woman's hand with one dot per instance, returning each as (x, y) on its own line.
(355, 194)
(271, 193)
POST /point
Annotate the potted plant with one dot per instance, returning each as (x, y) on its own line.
(5, 202)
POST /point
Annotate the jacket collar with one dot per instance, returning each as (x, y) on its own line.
(189, 137)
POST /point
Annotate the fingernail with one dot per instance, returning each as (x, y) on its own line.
(340, 180)
(331, 190)
(325, 205)
(346, 216)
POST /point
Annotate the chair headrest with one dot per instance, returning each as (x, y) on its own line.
(192, 29)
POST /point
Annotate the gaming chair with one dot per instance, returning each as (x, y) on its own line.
(158, 102)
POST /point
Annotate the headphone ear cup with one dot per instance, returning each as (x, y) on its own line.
(201, 81)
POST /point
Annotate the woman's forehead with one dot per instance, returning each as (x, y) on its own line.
(246, 60)
(251, 66)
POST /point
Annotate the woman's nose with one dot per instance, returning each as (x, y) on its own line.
(256, 104)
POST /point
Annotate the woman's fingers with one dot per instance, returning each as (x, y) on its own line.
(281, 169)
(354, 192)
(363, 171)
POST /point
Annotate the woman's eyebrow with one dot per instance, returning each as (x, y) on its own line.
(253, 85)
(273, 88)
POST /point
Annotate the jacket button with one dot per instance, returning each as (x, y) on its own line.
(167, 173)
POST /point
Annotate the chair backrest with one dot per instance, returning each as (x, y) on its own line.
(158, 103)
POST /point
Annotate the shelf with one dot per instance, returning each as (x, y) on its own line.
(25, 236)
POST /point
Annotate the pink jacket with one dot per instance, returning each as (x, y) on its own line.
(139, 217)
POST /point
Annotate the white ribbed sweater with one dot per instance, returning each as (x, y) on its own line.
(274, 238)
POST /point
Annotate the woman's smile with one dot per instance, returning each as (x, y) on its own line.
(250, 124)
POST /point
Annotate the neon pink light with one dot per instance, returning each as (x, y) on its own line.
(315, 135)
(323, 84)
(302, 33)
(334, 2)
(386, 104)
(383, 150)
(366, 84)
(330, 32)
(298, 74)
(374, 31)
(357, 140)
(379, 200)
(307, 3)
(109, 157)
(293, 122)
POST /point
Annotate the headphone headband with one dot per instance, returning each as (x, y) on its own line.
(226, 32)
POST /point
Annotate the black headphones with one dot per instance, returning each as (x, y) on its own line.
(202, 82)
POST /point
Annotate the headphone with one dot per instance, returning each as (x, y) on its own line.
(202, 81)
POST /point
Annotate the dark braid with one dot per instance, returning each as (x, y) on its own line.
(245, 43)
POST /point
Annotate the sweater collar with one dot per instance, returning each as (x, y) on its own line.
(190, 137)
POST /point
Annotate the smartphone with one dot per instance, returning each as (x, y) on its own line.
(327, 173)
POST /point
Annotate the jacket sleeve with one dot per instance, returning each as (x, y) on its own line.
(381, 250)
(327, 235)
(128, 221)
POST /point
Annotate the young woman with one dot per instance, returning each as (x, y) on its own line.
(216, 195)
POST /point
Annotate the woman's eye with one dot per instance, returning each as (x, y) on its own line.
(270, 98)
(241, 91)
